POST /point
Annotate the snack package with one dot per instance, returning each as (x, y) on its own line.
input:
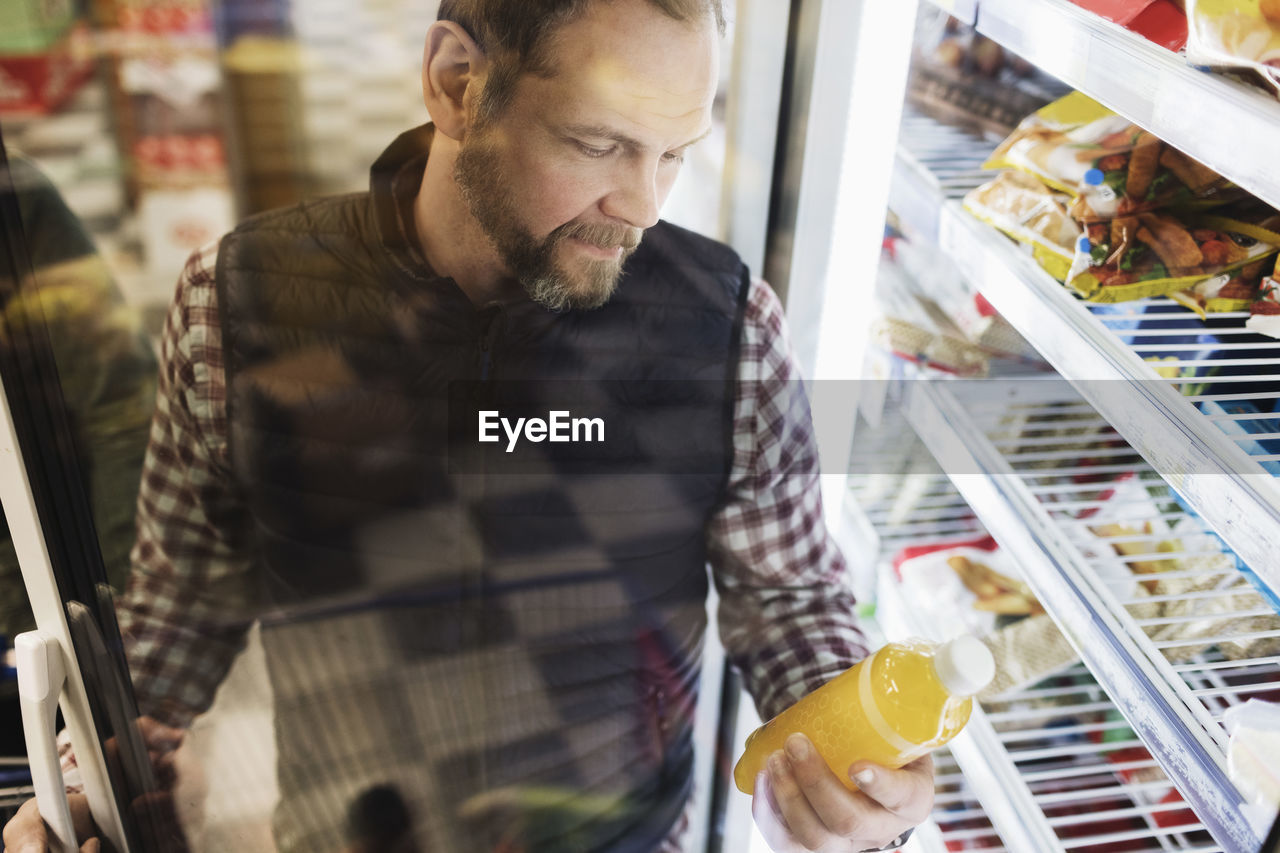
(1156, 254)
(962, 77)
(963, 587)
(1108, 165)
(913, 327)
(1265, 310)
(1239, 34)
(1160, 21)
(1253, 751)
(1225, 292)
(1032, 213)
(972, 314)
(1026, 652)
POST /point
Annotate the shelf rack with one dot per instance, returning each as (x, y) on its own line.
(1226, 125)
(1210, 436)
(1033, 758)
(1045, 472)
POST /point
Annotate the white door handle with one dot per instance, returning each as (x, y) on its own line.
(41, 674)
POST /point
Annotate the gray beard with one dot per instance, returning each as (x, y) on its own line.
(530, 260)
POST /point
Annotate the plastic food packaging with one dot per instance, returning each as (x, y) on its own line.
(898, 704)
(913, 327)
(1253, 752)
(1023, 207)
(1160, 21)
(972, 314)
(1027, 652)
(1236, 34)
(1155, 254)
(1265, 310)
(1108, 165)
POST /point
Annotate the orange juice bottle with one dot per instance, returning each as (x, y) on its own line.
(897, 704)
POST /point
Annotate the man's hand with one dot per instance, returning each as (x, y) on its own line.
(25, 832)
(799, 804)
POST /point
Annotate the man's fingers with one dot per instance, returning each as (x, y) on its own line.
(764, 810)
(93, 845)
(159, 737)
(24, 833)
(907, 793)
(841, 812)
(794, 806)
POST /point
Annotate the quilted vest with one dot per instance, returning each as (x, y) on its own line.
(502, 639)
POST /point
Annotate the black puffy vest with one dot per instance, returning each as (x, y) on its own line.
(509, 643)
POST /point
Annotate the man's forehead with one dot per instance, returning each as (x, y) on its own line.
(667, 70)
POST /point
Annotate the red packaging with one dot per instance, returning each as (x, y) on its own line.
(39, 83)
(1160, 21)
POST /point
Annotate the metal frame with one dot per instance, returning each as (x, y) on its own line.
(1088, 616)
(1227, 126)
(46, 602)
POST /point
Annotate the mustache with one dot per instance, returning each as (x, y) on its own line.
(600, 234)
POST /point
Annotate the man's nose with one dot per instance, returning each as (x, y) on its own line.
(636, 197)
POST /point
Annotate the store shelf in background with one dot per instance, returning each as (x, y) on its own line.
(1040, 491)
(1224, 475)
(935, 161)
(1217, 448)
(1224, 124)
(1035, 759)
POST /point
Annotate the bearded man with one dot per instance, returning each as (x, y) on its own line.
(470, 649)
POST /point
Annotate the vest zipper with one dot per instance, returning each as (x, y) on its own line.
(486, 346)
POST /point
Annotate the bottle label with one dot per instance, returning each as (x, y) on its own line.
(909, 751)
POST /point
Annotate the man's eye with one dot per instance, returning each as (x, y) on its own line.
(591, 150)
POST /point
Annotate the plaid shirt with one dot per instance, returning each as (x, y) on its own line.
(786, 610)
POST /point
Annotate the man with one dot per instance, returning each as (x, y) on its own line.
(470, 649)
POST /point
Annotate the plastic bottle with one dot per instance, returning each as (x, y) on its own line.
(899, 703)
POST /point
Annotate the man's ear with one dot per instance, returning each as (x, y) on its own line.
(453, 68)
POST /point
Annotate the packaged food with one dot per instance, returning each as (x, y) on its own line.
(1155, 254)
(963, 304)
(964, 78)
(1030, 212)
(1265, 309)
(1225, 292)
(1161, 21)
(1108, 165)
(963, 587)
(899, 703)
(1237, 34)
(1026, 652)
(914, 328)
(1253, 751)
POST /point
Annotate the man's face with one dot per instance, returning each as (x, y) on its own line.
(565, 180)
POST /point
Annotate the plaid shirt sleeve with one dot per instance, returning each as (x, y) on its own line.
(786, 604)
(191, 594)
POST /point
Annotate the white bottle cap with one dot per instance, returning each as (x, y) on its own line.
(964, 665)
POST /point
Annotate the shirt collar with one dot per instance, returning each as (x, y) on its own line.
(394, 181)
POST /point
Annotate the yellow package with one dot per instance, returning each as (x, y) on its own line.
(1235, 34)
(1158, 254)
(1031, 213)
(1108, 165)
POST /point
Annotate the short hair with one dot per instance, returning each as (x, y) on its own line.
(514, 35)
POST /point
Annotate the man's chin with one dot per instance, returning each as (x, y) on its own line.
(559, 295)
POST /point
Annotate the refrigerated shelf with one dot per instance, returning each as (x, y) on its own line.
(1046, 501)
(1030, 757)
(1226, 125)
(1212, 443)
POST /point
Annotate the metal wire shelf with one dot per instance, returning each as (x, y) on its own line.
(1211, 430)
(1062, 743)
